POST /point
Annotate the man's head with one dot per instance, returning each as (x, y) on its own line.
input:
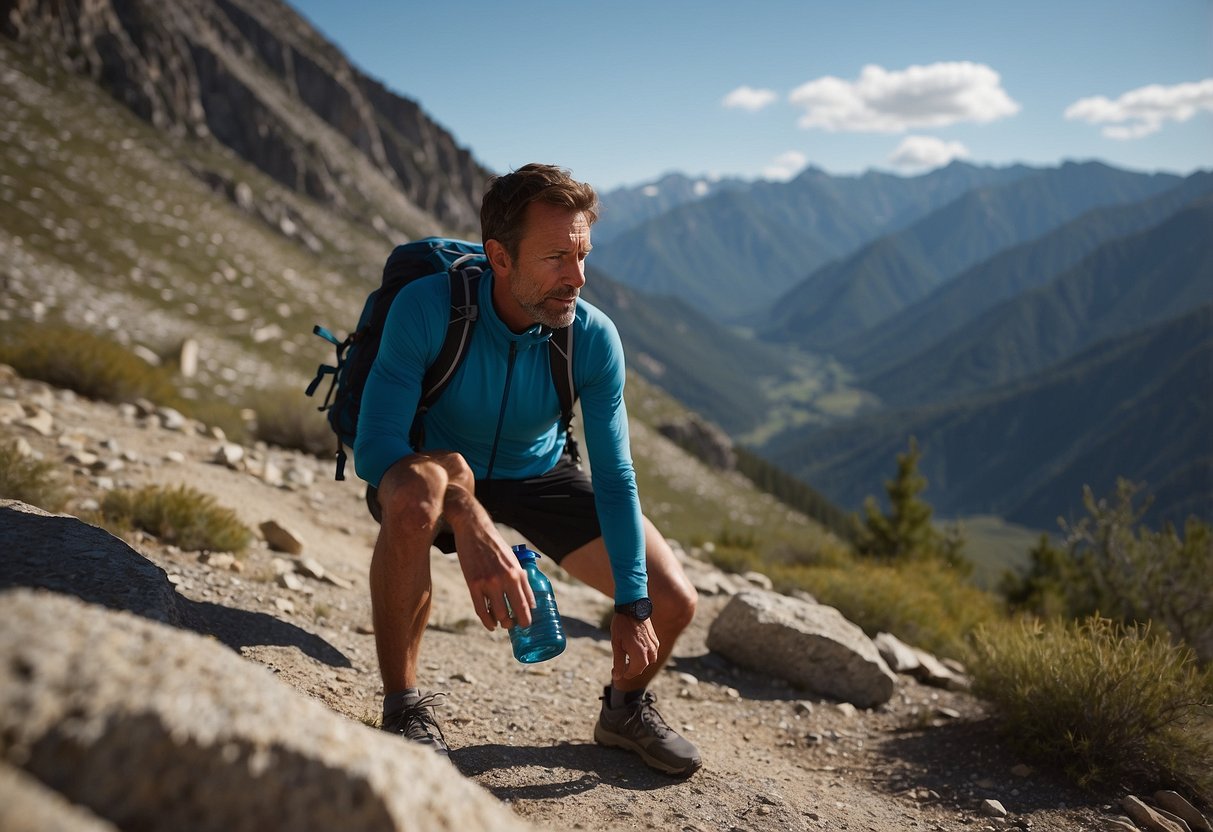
(536, 226)
(503, 209)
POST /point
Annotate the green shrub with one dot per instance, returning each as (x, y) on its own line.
(88, 364)
(1109, 704)
(927, 604)
(1114, 566)
(289, 419)
(181, 516)
(29, 480)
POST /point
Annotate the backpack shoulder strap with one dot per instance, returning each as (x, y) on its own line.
(465, 284)
(560, 358)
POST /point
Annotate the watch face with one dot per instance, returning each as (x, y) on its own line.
(642, 609)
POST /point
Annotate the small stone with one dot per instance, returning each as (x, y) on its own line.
(847, 710)
(291, 581)
(41, 422)
(217, 560)
(229, 455)
(310, 568)
(171, 419)
(1022, 770)
(284, 605)
(281, 539)
(1148, 817)
(175, 457)
(1174, 803)
(463, 677)
(993, 809)
(804, 708)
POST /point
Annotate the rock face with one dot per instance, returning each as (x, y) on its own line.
(257, 77)
(809, 645)
(705, 441)
(153, 728)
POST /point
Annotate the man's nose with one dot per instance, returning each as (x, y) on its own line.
(574, 274)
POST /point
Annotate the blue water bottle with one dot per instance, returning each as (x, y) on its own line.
(544, 639)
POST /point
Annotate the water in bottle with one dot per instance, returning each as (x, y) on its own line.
(544, 639)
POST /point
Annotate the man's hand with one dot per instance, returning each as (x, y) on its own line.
(634, 644)
(493, 575)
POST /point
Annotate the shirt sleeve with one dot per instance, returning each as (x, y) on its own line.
(604, 415)
(393, 387)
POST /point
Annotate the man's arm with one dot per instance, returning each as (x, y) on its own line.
(423, 488)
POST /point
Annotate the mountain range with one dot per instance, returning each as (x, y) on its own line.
(1037, 328)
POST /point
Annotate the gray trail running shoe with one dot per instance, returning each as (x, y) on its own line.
(638, 727)
(416, 722)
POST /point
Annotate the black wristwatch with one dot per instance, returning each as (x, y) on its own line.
(640, 609)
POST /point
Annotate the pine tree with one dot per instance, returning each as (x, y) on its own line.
(907, 532)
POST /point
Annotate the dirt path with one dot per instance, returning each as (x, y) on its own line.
(775, 758)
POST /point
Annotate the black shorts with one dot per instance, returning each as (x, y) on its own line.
(554, 511)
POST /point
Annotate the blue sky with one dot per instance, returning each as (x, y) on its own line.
(622, 92)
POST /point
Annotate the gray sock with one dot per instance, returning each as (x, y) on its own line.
(395, 702)
(618, 698)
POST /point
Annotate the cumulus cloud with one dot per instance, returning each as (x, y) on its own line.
(884, 101)
(785, 165)
(926, 152)
(748, 98)
(1144, 110)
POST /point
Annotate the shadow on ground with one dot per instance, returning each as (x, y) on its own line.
(564, 769)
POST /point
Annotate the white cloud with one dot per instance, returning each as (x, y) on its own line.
(926, 152)
(650, 190)
(748, 98)
(700, 188)
(883, 101)
(785, 165)
(1144, 110)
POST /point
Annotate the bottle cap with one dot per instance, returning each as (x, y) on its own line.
(523, 553)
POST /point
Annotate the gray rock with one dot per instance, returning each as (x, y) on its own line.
(993, 809)
(92, 700)
(280, 538)
(809, 645)
(28, 806)
(1174, 803)
(933, 672)
(898, 655)
(64, 554)
(1148, 818)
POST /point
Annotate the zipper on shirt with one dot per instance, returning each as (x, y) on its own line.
(505, 397)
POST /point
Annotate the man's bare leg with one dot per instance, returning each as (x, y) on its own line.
(674, 598)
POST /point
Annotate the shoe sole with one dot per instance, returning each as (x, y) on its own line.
(605, 737)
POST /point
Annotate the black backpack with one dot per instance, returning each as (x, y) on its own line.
(464, 264)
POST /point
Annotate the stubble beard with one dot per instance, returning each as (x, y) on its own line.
(541, 314)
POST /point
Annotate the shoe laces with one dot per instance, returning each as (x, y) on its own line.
(646, 709)
(416, 719)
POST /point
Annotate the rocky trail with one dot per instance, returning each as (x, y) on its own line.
(775, 758)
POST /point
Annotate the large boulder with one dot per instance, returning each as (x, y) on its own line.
(810, 645)
(67, 555)
(28, 806)
(150, 727)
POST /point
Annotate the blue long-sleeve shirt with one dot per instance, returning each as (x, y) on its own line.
(465, 418)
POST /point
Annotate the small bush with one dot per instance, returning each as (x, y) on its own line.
(86, 363)
(29, 480)
(289, 419)
(1110, 704)
(924, 603)
(181, 516)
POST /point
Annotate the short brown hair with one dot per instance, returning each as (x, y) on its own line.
(503, 209)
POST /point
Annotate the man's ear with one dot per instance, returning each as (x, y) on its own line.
(499, 258)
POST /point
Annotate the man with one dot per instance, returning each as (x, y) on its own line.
(494, 451)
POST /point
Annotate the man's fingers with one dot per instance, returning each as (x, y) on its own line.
(522, 604)
(480, 604)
